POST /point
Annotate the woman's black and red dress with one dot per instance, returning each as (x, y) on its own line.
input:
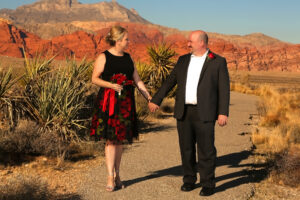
(114, 116)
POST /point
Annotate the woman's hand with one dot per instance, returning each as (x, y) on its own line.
(116, 87)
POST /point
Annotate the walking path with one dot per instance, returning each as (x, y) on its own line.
(151, 168)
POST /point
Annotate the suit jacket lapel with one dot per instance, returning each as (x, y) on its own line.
(205, 65)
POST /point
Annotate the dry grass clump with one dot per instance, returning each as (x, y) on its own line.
(270, 141)
(29, 188)
(24, 187)
(27, 138)
(287, 168)
(279, 118)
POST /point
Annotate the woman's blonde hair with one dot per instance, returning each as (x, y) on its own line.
(116, 33)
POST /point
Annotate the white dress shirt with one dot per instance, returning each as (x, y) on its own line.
(193, 76)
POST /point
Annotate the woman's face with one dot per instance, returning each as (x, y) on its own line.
(123, 42)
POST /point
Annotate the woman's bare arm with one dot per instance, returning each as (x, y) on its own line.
(98, 70)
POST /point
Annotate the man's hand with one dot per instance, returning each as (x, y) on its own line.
(222, 120)
(152, 107)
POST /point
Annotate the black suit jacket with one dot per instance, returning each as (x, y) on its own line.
(213, 90)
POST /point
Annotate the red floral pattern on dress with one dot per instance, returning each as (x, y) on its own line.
(123, 111)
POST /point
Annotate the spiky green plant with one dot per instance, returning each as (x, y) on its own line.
(161, 63)
(6, 99)
(55, 102)
(35, 67)
(81, 71)
(5, 83)
(144, 71)
(55, 98)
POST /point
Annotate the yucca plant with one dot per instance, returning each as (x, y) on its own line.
(55, 102)
(81, 71)
(35, 67)
(161, 63)
(5, 83)
(144, 71)
(6, 105)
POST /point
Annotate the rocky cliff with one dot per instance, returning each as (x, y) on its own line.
(275, 57)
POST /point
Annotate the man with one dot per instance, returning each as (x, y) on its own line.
(202, 97)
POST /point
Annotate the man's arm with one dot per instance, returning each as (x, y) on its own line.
(168, 84)
(224, 94)
(166, 87)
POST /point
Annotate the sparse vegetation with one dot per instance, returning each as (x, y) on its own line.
(161, 64)
(47, 108)
(277, 134)
(29, 188)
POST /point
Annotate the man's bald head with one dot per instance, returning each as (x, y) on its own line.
(198, 41)
(200, 35)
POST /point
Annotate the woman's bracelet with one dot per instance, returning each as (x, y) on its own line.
(149, 98)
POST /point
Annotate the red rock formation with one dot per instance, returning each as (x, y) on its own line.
(80, 44)
(279, 57)
(10, 43)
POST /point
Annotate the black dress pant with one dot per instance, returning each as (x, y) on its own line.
(194, 133)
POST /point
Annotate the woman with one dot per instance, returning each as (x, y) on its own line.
(115, 115)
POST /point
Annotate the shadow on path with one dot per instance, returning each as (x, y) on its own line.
(255, 174)
(148, 127)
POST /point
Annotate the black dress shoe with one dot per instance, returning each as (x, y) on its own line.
(186, 187)
(206, 191)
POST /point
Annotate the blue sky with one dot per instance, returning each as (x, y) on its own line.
(276, 18)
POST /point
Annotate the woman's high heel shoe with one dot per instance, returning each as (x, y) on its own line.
(118, 182)
(110, 188)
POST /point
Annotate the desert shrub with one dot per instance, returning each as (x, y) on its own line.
(287, 168)
(27, 138)
(27, 187)
(6, 99)
(55, 100)
(294, 133)
(24, 187)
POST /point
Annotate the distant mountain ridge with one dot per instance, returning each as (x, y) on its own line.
(53, 11)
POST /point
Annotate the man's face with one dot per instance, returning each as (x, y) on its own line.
(194, 43)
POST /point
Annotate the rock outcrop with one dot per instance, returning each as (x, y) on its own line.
(278, 57)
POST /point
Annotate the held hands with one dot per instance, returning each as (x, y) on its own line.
(152, 107)
(222, 120)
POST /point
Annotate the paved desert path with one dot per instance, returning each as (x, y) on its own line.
(151, 167)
